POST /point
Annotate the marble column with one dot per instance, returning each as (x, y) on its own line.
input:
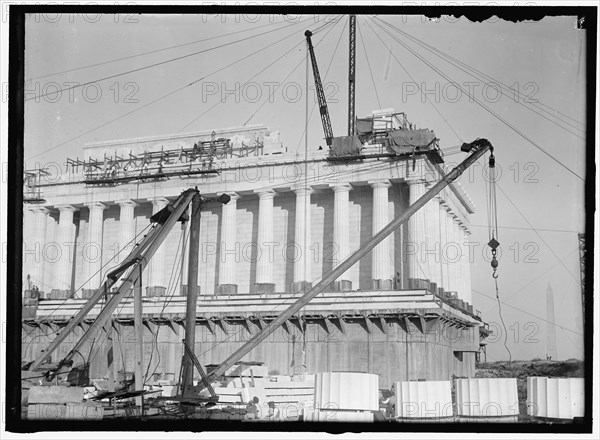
(33, 257)
(92, 249)
(127, 232)
(301, 255)
(229, 248)
(382, 272)
(341, 231)
(430, 250)
(441, 226)
(264, 265)
(458, 261)
(468, 294)
(157, 271)
(126, 227)
(451, 252)
(65, 240)
(417, 268)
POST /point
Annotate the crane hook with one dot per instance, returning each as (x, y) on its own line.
(494, 264)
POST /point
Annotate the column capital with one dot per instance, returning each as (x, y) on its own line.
(233, 196)
(95, 205)
(265, 193)
(158, 200)
(36, 209)
(68, 208)
(414, 181)
(126, 202)
(380, 183)
(340, 187)
(300, 190)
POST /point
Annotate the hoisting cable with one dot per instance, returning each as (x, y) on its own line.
(494, 243)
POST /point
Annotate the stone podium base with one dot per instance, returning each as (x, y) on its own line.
(301, 286)
(227, 289)
(383, 284)
(264, 288)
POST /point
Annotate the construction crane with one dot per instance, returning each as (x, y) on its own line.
(325, 120)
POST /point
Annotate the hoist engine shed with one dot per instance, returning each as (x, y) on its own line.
(403, 312)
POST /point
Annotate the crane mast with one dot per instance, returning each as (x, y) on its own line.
(320, 93)
(351, 75)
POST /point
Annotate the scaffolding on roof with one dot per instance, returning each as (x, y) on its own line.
(31, 181)
(163, 164)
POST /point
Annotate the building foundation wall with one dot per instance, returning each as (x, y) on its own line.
(396, 348)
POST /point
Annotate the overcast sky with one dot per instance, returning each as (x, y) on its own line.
(544, 61)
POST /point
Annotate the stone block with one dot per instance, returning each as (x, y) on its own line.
(59, 294)
(383, 284)
(264, 288)
(56, 394)
(87, 293)
(343, 286)
(184, 290)
(418, 284)
(227, 289)
(153, 291)
(301, 286)
(70, 411)
(31, 302)
(29, 312)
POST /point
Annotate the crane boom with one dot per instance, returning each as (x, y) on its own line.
(326, 121)
(479, 147)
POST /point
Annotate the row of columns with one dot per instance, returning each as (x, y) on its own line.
(428, 230)
(437, 247)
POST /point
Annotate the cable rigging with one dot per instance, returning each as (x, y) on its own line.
(368, 64)
(478, 102)
(494, 243)
(324, 78)
(286, 52)
(74, 69)
(479, 75)
(291, 72)
(154, 101)
(36, 97)
(416, 83)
